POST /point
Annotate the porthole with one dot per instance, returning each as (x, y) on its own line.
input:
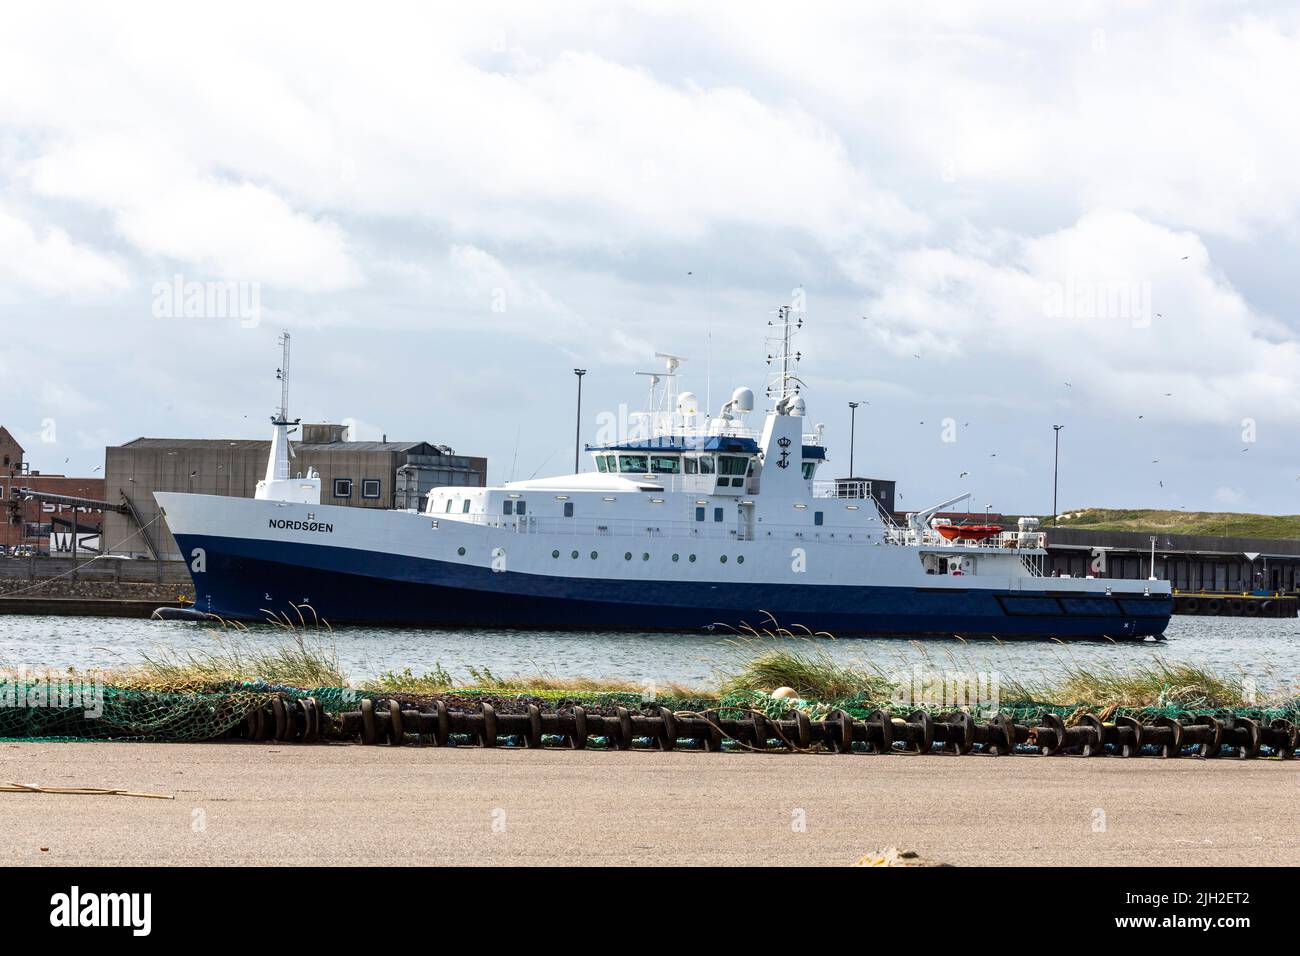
(574, 555)
(722, 558)
(677, 557)
(740, 559)
(593, 555)
(692, 559)
(555, 554)
(461, 552)
(645, 555)
(627, 556)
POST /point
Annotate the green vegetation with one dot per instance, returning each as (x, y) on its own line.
(1151, 521)
(297, 661)
(803, 664)
(808, 670)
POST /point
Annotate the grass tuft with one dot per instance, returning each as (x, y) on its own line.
(297, 661)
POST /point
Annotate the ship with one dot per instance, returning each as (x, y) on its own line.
(687, 521)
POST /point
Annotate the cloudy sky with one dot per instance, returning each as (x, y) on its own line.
(1001, 219)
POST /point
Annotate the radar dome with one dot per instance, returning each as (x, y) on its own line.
(742, 399)
(688, 404)
(797, 406)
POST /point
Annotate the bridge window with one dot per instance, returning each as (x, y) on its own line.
(706, 464)
(448, 506)
(665, 464)
(602, 464)
(732, 465)
(691, 465)
(633, 464)
(465, 509)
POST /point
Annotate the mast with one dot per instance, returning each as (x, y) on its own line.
(277, 463)
(783, 383)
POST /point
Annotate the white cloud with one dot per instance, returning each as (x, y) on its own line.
(47, 262)
(167, 207)
(1131, 314)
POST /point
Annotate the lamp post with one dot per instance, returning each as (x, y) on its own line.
(577, 440)
(853, 433)
(1056, 470)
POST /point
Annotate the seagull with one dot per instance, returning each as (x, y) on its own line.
(96, 468)
(963, 474)
(1186, 257)
(1068, 385)
(1162, 484)
(1155, 461)
(914, 355)
(1140, 417)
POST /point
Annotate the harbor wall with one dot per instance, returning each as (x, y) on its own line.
(105, 579)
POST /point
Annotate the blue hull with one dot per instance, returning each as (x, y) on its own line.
(243, 579)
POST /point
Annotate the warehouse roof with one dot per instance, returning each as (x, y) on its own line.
(256, 444)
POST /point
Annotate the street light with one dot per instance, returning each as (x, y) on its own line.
(577, 441)
(853, 433)
(1056, 470)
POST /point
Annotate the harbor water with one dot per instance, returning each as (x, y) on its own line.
(1265, 650)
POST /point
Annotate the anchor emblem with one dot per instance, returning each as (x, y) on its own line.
(784, 461)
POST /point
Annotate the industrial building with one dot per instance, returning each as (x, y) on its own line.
(1188, 562)
(45, 527)
(374, 474)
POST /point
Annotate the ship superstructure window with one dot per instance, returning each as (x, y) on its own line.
(706, 464)
(568, 509)
(342, 487)
(665, 464)
(731, 470)
(448, 506)
(699, 514)
(521, 507)
(717, 514)
(465, 509)
(633, 464)
(602, 464)
(817, 517)
(370, 488)
(507, 507)
(808, 468)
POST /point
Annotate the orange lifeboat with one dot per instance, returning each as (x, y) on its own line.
(968, 532)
